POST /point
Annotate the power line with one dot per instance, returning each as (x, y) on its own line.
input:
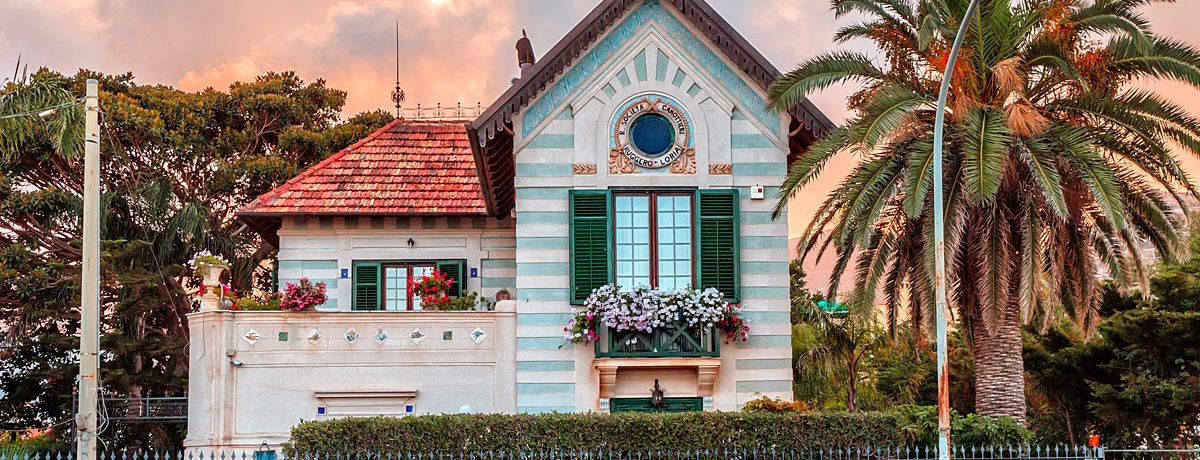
(40, 112)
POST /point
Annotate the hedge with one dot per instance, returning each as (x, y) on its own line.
(615, 432)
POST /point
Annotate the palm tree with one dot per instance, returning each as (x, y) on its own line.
(29, 107)
(1056, 168)
(843, 342)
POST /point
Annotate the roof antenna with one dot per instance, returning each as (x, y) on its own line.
(398, 93)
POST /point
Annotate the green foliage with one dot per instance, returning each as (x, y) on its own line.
(774, 405)
(31, 445)
(620, 432)
(176, 166)
(251, 303)
(1054, 169)
(920, 424)
(1137, 380)
(895, 369)
(468, 301)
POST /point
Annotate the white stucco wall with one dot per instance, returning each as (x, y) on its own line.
(242, 394)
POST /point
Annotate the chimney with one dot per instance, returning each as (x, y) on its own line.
(525, 57)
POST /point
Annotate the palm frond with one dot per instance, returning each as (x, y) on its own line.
(809, 167)
(819, 73)
(985, 148)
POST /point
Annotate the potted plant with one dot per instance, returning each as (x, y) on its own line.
(210, 267)
(305, 296)
(434, 290)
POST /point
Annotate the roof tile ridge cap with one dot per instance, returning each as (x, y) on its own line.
(286, 186)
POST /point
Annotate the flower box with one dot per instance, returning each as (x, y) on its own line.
(644, 322)
(673, 341)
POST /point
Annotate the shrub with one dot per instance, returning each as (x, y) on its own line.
(618, 432)
(919, 423)
(256, 304)
(467, 301)
(774, 406)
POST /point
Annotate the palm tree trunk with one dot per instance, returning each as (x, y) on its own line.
(999, 367)
(852, 385)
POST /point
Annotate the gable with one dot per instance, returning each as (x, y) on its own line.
(607, 52)
(584, 49)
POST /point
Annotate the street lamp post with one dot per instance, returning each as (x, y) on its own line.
(939, 239)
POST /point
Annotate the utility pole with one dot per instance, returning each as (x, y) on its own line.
(89, 308)
(939, 239)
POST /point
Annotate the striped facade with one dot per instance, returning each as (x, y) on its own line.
(553, 375)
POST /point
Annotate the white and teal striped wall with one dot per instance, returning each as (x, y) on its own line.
(320, 248)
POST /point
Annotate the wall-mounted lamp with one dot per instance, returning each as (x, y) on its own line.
(411, 242)
(656, 396)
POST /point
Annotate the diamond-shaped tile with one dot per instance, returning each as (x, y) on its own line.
(416, 335)
(381, 335)
(478, 335)
(252, 337)
(351, 335)
(314, 336)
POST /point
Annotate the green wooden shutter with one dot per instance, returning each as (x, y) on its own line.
(366, 286)
(456, 270)
(717, 234)
(591, 241)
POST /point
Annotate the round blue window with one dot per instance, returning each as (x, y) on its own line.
(652, 134)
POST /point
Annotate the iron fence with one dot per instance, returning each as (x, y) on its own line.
(850, 453)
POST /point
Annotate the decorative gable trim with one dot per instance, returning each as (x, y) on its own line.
(492, 133)
(649, 15)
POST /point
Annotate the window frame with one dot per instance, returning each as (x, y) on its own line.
(382, 286)
(653, 195)
(410, 266)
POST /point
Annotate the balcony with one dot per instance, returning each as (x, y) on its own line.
(676, 341)
(676, 347)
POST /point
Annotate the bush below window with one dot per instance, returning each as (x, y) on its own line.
(620, 432)
(908, 425)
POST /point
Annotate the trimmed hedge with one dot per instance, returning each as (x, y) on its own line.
(617, 432)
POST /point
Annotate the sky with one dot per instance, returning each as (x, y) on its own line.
(451, 51)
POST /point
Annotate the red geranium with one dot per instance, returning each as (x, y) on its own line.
(434, 289)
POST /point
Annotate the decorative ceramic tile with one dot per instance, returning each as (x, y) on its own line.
(448, 335)
(252, 337)
(416, 335)
(478, 335)
(314, 336)
(283, 336)
(351, 335)
(381, 335)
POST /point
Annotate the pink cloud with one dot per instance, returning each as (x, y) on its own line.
(220, 75)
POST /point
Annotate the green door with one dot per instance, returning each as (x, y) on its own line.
(643, 405)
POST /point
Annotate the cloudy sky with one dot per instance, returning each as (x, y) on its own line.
(452, 51)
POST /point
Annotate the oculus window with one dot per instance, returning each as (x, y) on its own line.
(652, 134)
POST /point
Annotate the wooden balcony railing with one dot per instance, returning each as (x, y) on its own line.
(676, 341)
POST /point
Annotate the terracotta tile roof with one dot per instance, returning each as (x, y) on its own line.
(406, 167)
